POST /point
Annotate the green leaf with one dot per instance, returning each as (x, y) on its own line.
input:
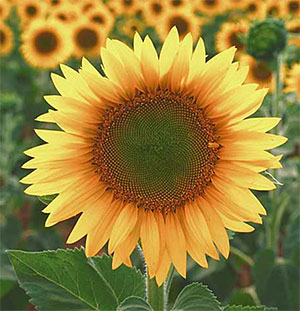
(47, 199)
(66, 280)
(196, 296)
(124, 281)
(292, 240)
(242, 297)
(249, 308)
(262, 268)
(134, 303)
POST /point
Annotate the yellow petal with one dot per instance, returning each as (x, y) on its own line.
(163, 269)
(257, 124)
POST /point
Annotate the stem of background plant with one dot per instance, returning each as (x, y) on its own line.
(272, 233)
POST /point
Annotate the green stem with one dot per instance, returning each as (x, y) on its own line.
(155, 295)
(168, 282)
(242, 255)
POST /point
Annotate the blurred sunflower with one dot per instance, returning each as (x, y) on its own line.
(46, 43)
(273, 8)
(231, 34)
(66, 14)
(158, 150)
(55, 3)
(153, 10)
(254, 9)
(293, 27)
(184, 21)
(259, 72)
(30, 10)
(209, 7)
(131, 26)
(6, 39)
(291, 7)
(293, 80)
(88, 5)
(5, 8)
(102, 17)
(125, 7)
(235, 4)
(87, 39)
(180, 4)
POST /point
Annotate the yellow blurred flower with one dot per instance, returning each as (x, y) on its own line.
(46, 43)
(6, 39)
(131, 25)
(125, 7)
(293, 80)
(255, 9)
(66, 13)
(101, 16)
(5, 8)
(209, 7)
(30, 10)
(230, 34)
(235, 4)
(153, 10)
(291, 8)
(293, 27)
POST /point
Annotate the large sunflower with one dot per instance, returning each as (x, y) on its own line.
(46, 43)
(6, 39)
(231, 34)
(161, 150)
(293, 80)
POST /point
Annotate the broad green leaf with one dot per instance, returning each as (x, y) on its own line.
(124, 281)
(282, 287)
(262, 268)
(134, 303)
(249, 308)
(196, 296)
(47, 199)
(242, 297)
(64, 280)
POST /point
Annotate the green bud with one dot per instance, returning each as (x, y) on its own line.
(266, 39)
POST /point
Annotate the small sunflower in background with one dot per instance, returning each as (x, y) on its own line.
(160, 150)
(179, 4)
(66, 14)
(5, 8)
(291, 8)
(55, 3)
(46, 43)
(30, 10)
(132, 25)
(231, 34)
(87, 38)
(184, 21)
(272, 8)
(153, 10)
(259, 72)
(235, 4)
(292, 80)
(125, 7)
(6, 39)
(254, 9)
(86, 6)
(209, 7)
(102, 17)
(293, 27)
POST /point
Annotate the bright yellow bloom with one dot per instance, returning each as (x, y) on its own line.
(210, 7)
(293, 80)
(131, 25)
(272, 8)
(46, 43)
(293, 27)
(231, 34)
(291, 8)
(153, 10)
(87, 38)
(255, 9)
(66, 14)
(6, 39)
(160, 150)
(30, 10)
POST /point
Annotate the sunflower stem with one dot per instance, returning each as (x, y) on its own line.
(242, 255)
(168, 283)
(155, 294)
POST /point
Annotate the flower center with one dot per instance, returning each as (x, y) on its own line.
(261, 71)
(157, 151)
(31, 10)
(235, 40)
(87, 38)
(2, 37)
(46, 42)
(181, 24)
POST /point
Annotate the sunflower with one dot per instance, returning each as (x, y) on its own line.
(291, 8)
(293, 80)
(5, 8)
(125, 7)
(131, 25)
(55, 3)
(101, 16)
(293, 28)
(30, 10)
(158, 150)
(184, 21)
(46, 43)
(6, 39)
(235, 4)
(259, 72)
(180, 4)
(88, 5)
(87, 39)
(153, 10)
(209, 7)
(66, 14)
(231, 34)
(255, 9)
(273, 8)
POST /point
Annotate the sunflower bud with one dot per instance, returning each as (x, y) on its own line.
(266, 39)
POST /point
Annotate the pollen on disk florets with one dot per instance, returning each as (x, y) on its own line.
(157, 151)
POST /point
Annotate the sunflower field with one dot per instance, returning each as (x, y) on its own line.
(150, 155)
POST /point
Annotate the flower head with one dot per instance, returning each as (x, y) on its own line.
(160, 150)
